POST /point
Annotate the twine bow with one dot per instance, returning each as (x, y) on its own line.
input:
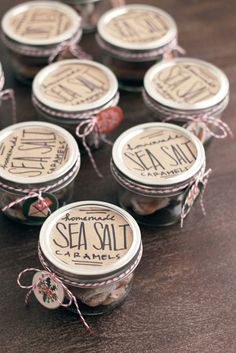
(83, 130)
(9, 94)
(72, 47)
(205, 118)
(57, 281)
(194, 193)
(221, 126)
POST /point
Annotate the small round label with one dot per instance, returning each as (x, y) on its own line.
(40, 23)
(186, 83)
(37, 210)
(108, 119)
(90, 237)
(137, 26)
(32, 152)
(74, 84)
(47, 290)
(158, 153)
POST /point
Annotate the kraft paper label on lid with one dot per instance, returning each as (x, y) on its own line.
(75, 84)
(33, 152)
(90, 236)
(186, 83)
(159, 154)
(137, 26)
(40, 23)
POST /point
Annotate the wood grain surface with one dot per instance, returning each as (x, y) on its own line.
(184, 293)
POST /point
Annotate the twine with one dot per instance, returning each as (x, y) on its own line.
(149, 54)
(205, 117)
(192, 193)
(72, 298)
(30, 193)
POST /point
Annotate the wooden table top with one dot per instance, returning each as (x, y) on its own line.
(184, 294)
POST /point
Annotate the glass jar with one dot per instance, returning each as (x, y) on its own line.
(36, 32)
(89, 10)
(133, 38)
(74, 94)
(93, 248)
(160, 170)
(38, 164)
(188, 92)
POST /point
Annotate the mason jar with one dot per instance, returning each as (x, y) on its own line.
(37, 32)
(93, 248)
(74, 94)
(133, 38)
(38, 165)
(189, 92)
(160, 172)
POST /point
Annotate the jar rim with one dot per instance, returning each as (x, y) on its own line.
(188, 107)
(66, 35)
(42, 74)
(74, 155)
(117, 157)
(158, 43)
(86, 273)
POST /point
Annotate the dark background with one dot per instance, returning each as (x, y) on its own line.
(184, 294)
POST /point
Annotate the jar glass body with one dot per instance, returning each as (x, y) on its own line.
(26, 67)
(130, 74)
(89, 10)
(102, 299)
(155, 211)
(63, 195)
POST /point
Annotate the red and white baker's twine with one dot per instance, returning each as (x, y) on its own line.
(206, 117)
(88, 124)
(60, 280)
(193, 193)
(202, 176)
(8, 94)
(70, 45)
(149, 54)
(70, 295)
(30, 193)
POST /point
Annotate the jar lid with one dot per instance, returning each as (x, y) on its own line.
(158, 154)
(40, 23)
(75, 85)
(2, 78)
(186, 84)
(90, 240)
(36, 152)
(137, 27)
